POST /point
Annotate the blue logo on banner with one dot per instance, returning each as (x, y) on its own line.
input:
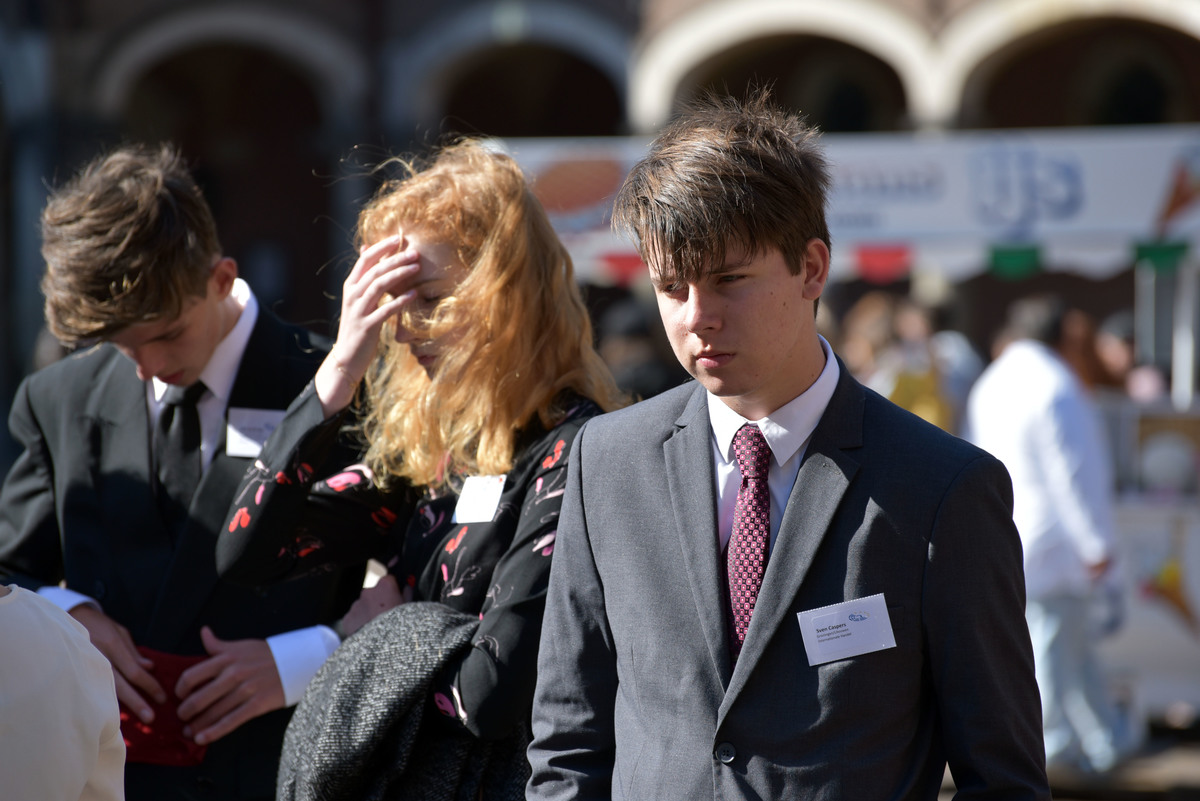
(1015, 187)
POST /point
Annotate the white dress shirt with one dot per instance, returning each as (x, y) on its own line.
(787, 431)
(298, 654)
(1030, 411)
(218, 377)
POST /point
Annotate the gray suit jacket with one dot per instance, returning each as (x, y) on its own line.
(636, 695)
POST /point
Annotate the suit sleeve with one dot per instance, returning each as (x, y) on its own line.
(30, 544)
(573, 748)
(980, 656)
(305, 505)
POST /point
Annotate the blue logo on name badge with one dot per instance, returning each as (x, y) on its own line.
(858, 617)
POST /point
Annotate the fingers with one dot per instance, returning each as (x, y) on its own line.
(371, 602)
(369, 256)
(237, 683)
(385, 594)
(383, 268)
(130, 669)
(386, 268)
(132, 700)
(228, 714)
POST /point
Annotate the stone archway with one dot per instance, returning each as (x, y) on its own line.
(428, 78)
(888, 36)
(249, 124)
(265, 105)
(530, 89)
(972, 40)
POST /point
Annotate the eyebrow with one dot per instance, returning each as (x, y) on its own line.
(172, 330)
(433, 279)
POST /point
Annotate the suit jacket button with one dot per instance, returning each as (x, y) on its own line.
(99, 590)
(726, 752)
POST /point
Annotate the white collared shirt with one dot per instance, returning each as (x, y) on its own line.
(787, 430)
(218, 376)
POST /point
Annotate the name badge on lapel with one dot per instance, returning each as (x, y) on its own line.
(479, 499)
(850, 628)
(247, 430)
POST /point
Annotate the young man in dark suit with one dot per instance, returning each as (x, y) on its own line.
(771, 582)
(133, 447)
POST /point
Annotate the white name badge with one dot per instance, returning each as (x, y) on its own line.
(847, 629)
(479, 499)
(248, 429)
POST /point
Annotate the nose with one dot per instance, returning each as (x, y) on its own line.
(145, 363)
(402, 334)
(700, 310)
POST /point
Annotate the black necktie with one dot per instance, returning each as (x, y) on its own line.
(177, 453)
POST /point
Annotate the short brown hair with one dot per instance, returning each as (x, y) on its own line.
(127, 240)
(726, 172)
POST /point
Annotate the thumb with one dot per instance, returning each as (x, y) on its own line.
(212, 643)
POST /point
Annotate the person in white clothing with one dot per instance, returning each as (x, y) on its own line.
(1030, 410)
(60, 730)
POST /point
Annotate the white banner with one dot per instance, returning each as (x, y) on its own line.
(1084, 197)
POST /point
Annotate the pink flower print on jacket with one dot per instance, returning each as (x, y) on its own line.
(353, 476)
(549, 487)
(452, 545)
(428, 520)
(384, 517)
(545, 544)
(451, 708)
(553, 458)
(302, 546)
(455, 583)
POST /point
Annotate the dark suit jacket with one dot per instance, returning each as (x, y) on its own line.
(78, 506)
(636, 696)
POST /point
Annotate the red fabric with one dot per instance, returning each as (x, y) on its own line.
(883, 264)
(162, 742)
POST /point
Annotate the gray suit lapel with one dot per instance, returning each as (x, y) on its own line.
(690, 477)
(824, 477)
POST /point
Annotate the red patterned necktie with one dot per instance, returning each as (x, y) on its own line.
(746, 560)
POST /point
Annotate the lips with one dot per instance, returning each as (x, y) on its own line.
(712, 359)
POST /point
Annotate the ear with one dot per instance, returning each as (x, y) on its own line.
(222, 276)
(816, 268)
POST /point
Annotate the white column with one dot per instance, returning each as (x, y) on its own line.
(1183, 341)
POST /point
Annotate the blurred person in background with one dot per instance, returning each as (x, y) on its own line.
(1115, 347)
(631, 349)
(1032, 410)
(463, 324)
(891, 345)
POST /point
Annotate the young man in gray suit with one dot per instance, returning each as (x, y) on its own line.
(772, 583)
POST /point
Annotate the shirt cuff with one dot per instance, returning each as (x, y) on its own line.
(298, 655)
(65, 599)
